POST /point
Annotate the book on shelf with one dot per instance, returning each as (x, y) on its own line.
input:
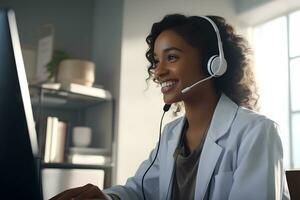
(48, 138)
(80, 89)
(53, 86)
(56, 132)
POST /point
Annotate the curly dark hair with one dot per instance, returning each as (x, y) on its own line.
(238, 82)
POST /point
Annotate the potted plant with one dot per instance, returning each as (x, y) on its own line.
(52, 66)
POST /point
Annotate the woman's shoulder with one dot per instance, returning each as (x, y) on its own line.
(248, 121)
(250, 116)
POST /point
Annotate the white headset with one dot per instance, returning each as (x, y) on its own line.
(216, 65)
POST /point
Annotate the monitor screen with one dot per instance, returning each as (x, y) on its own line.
(18, 139)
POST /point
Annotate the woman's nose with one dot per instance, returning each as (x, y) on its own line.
(160, 71)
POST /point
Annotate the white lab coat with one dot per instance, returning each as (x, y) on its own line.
(241, 159)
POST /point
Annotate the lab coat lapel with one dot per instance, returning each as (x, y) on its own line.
(211, 152)
(223, 117)
(167, 168)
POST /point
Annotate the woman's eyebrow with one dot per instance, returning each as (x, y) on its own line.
(172, 48)
(169, 49)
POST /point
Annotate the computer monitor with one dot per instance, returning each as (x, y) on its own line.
(18, 140)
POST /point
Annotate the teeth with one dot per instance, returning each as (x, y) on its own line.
(168, 83)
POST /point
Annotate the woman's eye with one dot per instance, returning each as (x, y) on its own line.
(172, 57)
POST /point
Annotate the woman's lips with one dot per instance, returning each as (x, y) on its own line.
(168, 86)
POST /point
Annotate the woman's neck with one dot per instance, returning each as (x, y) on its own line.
(199, 114)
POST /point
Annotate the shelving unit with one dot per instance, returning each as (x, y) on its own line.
(77, 110)
(90, 18)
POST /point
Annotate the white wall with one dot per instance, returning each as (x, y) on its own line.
(140, 111)
(72, 22)
(107, 39)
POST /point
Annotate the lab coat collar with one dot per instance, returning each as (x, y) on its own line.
(223, 117)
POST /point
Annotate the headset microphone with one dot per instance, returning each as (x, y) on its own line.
(185, 90)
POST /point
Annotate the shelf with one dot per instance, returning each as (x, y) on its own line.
(89, 151)
(93, 107)
(63, 99)
(75, 166)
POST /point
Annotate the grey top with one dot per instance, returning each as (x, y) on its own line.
(185, 171)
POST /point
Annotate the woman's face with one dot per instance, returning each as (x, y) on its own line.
(177, 66)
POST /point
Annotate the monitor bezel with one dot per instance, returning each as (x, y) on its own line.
(22, 81)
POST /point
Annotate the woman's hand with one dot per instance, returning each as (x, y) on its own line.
(86, 192)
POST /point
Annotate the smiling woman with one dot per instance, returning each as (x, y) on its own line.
(220, 148)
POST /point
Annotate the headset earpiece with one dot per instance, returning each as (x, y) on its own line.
(216, 66)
